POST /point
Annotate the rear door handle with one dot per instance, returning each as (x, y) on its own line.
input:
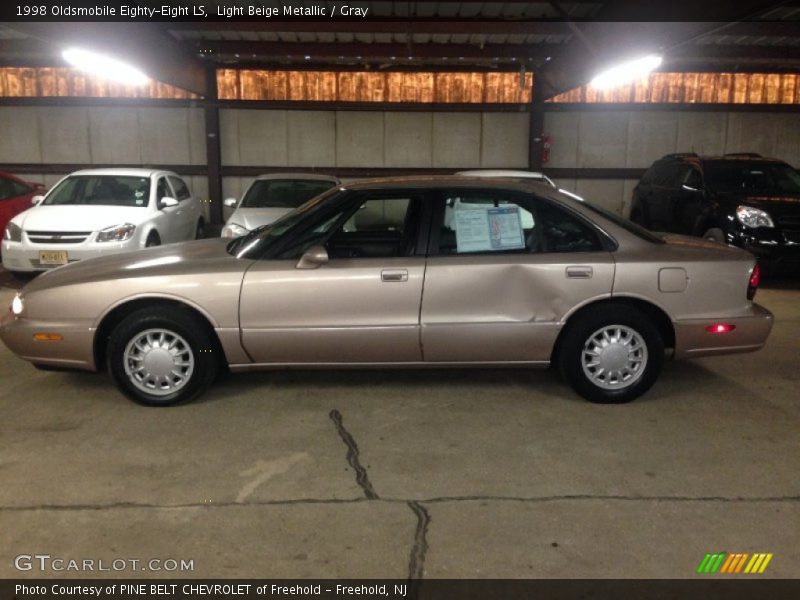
(580, 272)
(399, 275)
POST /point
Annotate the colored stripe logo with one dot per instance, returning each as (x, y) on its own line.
(734, 562)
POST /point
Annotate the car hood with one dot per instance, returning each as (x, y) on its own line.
(250, 218)
(774, 203)
(78, 217)
(162, 261)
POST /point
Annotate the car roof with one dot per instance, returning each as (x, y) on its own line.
(732, 157)
(299, 176)
(451, 181)
(131, 172)
(502, 173)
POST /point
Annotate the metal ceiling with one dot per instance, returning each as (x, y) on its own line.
(564, 42)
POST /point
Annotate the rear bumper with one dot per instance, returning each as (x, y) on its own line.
(750, 334)
(75, 351)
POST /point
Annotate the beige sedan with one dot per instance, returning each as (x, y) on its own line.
(407, 272)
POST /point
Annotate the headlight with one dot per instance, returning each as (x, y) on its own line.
(13, 232)
(753, 217)
(17, 305)
(117, 233)
(233, 230)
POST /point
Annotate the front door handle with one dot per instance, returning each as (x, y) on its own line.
(579, 272)
(398, 275)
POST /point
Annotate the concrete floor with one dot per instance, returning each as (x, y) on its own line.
(390, 474)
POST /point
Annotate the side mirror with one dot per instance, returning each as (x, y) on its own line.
(37, 200)
(314, 257)
(166, 202)
(230, 202)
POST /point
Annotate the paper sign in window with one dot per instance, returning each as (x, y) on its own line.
(491, 229)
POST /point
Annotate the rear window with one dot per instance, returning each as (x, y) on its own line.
(101, 190)
(627, 225)
(283, 193)
(751, 177)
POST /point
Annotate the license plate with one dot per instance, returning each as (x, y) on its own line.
(53, 258)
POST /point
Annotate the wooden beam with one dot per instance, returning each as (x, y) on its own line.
(487, 27)
(159, 55)
(374, 51)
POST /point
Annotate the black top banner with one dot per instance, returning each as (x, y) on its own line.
(255, 11)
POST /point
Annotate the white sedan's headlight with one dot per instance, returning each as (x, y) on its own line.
(232, 230)
(117, 233)
(13, 232)
(17, 305)
(753, 217)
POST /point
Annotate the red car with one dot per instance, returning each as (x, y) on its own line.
(15, 196)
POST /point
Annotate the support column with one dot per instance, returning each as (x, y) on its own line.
(536, 125)
(213, 155)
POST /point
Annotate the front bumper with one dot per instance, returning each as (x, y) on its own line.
(769, 245)
(750, 334)
(75, 351)
(24, 256)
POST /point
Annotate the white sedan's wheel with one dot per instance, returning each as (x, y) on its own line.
(159, 362)
(614, 357)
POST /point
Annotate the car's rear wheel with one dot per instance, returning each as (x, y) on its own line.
(200, 231)
(162, 357)
(611, 354)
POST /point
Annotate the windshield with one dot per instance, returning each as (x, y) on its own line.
(269, 234)
(101, 190)
(283, 193)
(751, 177)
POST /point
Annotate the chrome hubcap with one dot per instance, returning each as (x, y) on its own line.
(158, 361)
(614, 357)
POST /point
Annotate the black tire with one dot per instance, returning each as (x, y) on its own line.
(577, 335)
(153, 239)
(23, 275)
(179, 323)
(715, 234)
(200, 231)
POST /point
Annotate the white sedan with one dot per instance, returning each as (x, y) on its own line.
(101, 211)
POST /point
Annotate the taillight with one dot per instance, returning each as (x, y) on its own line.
(752, 285)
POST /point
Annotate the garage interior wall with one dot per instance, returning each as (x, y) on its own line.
(104, 135)
(616, 138)
(328, 140)
(585, 137)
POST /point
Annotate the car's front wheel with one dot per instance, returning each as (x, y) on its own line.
(611, 354)
(163, 356)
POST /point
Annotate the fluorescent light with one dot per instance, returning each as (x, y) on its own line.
(626, 72)
(104, 66)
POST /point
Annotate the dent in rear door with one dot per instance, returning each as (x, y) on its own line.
(506, 306)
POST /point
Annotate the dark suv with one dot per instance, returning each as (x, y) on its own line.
(741, 199)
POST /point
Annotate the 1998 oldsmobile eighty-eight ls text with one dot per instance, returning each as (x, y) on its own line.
(408, 272)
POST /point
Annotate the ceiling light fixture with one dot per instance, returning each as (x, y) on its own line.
(104, 66)
(626, 72)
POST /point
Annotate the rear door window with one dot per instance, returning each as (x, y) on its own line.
(491, 222)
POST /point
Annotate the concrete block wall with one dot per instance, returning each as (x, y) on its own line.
(636, 138)
(386, 139)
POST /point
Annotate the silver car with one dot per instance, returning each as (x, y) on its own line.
(270, 197)
(406, 272)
